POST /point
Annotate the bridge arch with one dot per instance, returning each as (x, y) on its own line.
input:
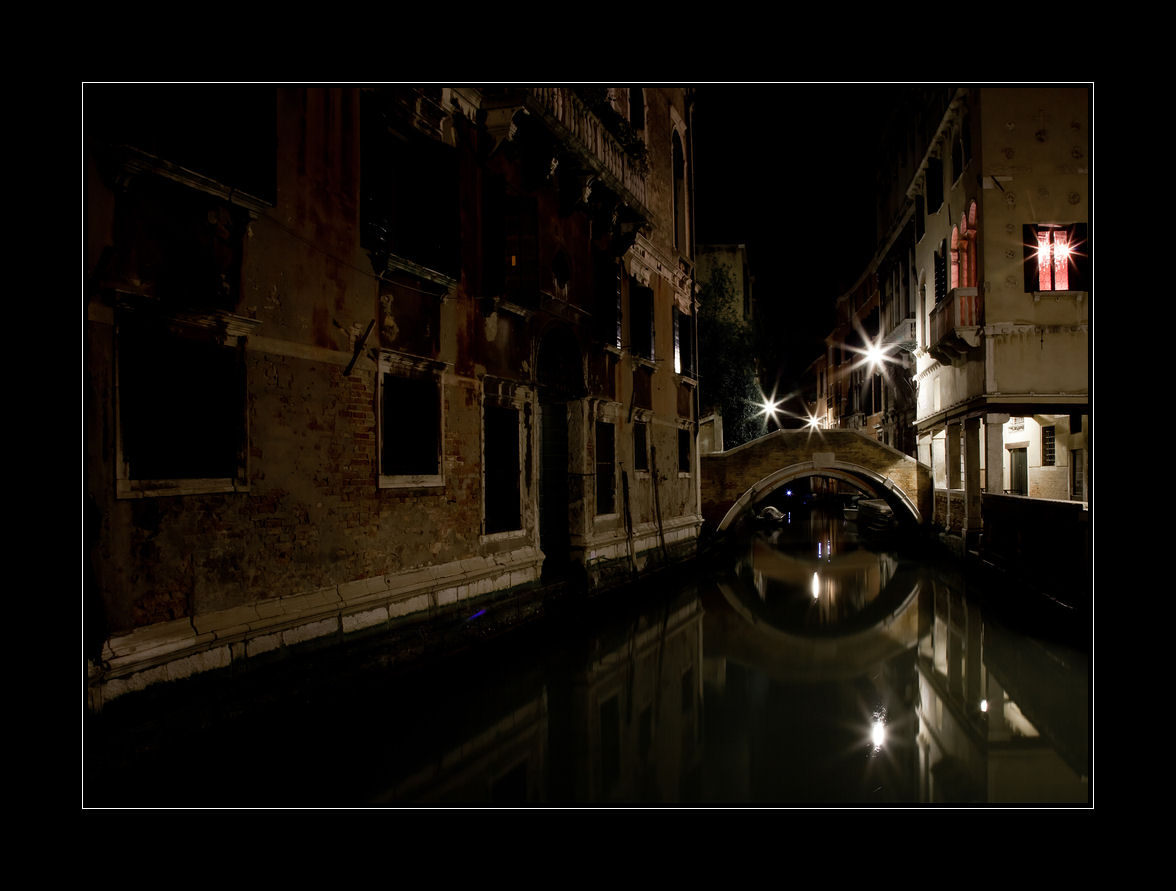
(876, 485)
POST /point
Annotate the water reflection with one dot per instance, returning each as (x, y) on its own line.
(889, 686)
(812, 572)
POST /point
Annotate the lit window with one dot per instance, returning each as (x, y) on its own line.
(1056, 257)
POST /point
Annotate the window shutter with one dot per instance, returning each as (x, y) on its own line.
(1079, 257)
(1029, 241)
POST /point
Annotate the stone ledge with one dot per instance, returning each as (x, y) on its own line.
(182, 647)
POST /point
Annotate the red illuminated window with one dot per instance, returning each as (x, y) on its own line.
(1056, 258)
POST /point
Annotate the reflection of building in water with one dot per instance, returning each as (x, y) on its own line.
(994, 724)
(500, 762)
(633, 706)
(618, 721)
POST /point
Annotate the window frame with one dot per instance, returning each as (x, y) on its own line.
(641, 455)
(683, 343)
(1077, 475)
(221, 329)
(642, 321)
(403, 366)
(597, 463)
(1078, 258)
(1048, 445)
(516, 402)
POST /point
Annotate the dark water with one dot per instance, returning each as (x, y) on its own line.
(810, 667)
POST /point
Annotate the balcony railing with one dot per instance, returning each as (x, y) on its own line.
(902, 335)
(580, 131)
(955, 325)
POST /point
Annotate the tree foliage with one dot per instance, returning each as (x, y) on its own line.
(726, 359)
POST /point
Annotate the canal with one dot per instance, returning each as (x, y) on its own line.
(808, 663)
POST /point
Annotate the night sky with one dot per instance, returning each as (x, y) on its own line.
(788, 170)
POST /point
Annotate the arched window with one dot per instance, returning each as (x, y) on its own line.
(972, 278)
(679, 193)
(637, 108)
(956, 277)
(923, 319)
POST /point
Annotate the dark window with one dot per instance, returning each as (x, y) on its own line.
(957, 159)
(181, 404)
(605, 468)
(607, 313)
(1047, 446)
(934, 185)
(561, 270)
(678, 159)
(683, 343)
(941, 272)
(411, 426)
(641, 321)
(683, 451)
(643, 387)
(1057, 258)
(637, 108)
(501, 425)
(1077, 481)
(640, 446)
(179, 245)
(410, 206)
(920, 216)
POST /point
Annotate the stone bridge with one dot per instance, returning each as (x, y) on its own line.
(736, 480)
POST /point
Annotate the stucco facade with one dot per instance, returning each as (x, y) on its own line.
(1003, 261)
(388, 354)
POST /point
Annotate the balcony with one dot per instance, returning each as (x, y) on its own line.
(902, 335)
(955, 325)
(578, 131)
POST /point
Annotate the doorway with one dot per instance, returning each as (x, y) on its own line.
(1018, 471)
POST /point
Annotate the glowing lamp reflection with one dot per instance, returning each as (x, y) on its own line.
(878, 733)
(816, 586)
(983, 705)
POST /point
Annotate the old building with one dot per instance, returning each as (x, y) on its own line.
(978, 295)
(1004, 257)
(355, 356)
